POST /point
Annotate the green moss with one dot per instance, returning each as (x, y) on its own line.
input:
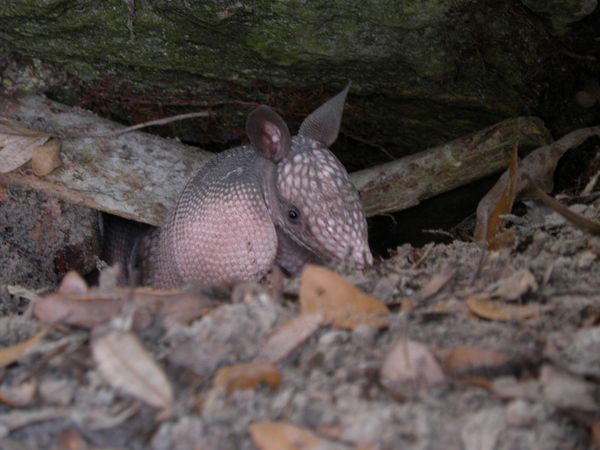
(438, 65)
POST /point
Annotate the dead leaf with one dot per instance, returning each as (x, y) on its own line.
(179, 305)
(75, 305)
(459, 360)
(481, 430)
(73, 283)
(86, 310)
(126, 365)
(595, 428)
(20, 394)
(435, 284)
(15, 419)
(482, 306)
(289, 336)
(9, 355)
(46, 157)
(515, 286)
(578, 351)
(480, 382)
(567, 391)
(323, 292)
(538, 166)
(247, 376)
(57, 391)
(284, 436)
(497, 202)
(69, 439)
(408, 366)
(17, 145)
(509, 388)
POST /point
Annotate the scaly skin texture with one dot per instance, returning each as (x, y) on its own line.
(281, 200)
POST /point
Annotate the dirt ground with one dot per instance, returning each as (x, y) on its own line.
(499, 352)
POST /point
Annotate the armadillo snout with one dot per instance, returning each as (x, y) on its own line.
(313, 180)
(344, 236)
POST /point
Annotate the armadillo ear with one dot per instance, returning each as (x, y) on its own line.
(268, 133)
(323, 124)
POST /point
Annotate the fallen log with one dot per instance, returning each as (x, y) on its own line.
(135, 175)
(139, 176)
(407, 181)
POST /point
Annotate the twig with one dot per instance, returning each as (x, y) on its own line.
(585, 224)
(151, 123)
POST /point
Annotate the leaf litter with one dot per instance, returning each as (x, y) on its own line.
(451, 346)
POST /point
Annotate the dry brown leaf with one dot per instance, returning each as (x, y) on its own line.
(576, 351)
(46, 157)
(283, 436)
(17, 145)
(564, 390)
(75, 305)
(481, 430)
(126, 365)
(482, 306)
(20, 394)
(459, 360)
(9, 355)
(289, 336)
(19, 418)
(595, 428)
(179, 305)
(247, 376)
(514, 286)
(69, 439)
(509, 388)
(480, 382)
(435, 284)
(538, 166)
(73, 283)
(86, 310)
(408, 366)
(324, 292)
(499, 201)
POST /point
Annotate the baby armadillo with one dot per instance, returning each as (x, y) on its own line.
(280, 200)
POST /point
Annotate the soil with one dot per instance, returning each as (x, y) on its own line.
(532, 383)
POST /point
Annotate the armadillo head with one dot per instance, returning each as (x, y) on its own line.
(307, 190)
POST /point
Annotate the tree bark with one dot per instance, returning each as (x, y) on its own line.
(139, 176)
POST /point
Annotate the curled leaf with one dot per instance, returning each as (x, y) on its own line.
(514, 286)
(284, 436)
(486, 308)
(9, 355)
(458, 360)
(289, 336)
(46, 157)
(20, 394)
(247, 376)
(497, 202)
(17, 145)
(126, 365)
(323, 292)
(408, 366)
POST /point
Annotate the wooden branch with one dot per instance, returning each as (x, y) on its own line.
(407, 181)
(135, 175)
(139, 176)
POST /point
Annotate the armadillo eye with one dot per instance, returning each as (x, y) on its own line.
(293, 215)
